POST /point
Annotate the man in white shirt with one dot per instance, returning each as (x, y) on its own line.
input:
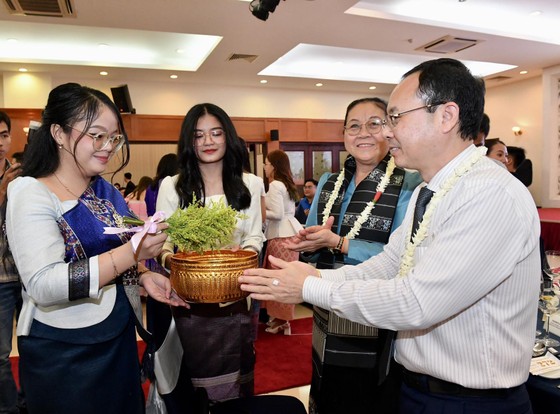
(462, 289)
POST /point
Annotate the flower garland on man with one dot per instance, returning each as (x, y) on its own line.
(469, 280)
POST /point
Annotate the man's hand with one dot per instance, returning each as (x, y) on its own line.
(284, 284)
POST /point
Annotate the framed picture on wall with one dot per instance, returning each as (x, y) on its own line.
(297, 165)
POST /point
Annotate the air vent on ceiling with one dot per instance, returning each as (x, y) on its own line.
(240, 56)
(498, 78)
(46, 8)
(448, 44)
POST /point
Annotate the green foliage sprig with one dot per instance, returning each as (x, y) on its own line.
(201, 228)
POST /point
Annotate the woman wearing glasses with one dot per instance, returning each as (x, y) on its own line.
(350, 220)
(217, 338)
(76, 332)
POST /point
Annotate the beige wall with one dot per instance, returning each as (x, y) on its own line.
(520, 104)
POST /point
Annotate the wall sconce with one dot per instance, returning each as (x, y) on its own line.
(517, 131)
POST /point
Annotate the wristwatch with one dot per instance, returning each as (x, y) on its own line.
(338, 248)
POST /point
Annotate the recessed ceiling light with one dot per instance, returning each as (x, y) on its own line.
(523, 72)
(371, 88)
(173, 76)
(319, 84)
(103, 46)
(125, 50)
(103, 73)
(180, 51)
(12, 40)
(264, 81)
(22, 69)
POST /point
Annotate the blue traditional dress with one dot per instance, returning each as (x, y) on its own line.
(91, 369)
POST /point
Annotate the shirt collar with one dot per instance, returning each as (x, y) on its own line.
(438, 179)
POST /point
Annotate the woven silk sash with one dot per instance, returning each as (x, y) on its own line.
(378, 225)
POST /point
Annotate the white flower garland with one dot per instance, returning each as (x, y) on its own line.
(407, 261)
(369, 206)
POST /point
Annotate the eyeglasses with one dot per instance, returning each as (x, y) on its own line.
(102, 139)
(217, 135)
(393, 119)
(373, 126)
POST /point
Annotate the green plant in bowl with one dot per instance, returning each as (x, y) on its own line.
(201, 228)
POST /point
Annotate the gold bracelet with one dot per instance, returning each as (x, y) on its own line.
(114, 265)
(141, 272)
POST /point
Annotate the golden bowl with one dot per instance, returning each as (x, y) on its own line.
(211, 277)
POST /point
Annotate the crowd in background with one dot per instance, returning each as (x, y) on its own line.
(81, 300)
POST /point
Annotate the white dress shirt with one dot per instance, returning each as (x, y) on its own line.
(466, 312)
(280, 210)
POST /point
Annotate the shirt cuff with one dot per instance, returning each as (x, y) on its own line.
(317, 291)
(94, 288)
(334, 275)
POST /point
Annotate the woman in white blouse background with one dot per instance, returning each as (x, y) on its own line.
(281, 225)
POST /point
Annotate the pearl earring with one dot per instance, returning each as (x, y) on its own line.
(60, 145)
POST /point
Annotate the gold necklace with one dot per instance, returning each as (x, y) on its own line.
(62, 184)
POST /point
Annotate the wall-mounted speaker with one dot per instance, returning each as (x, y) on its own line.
(274, 135)
(121, 98)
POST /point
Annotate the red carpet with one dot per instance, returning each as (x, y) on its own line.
(282, 361)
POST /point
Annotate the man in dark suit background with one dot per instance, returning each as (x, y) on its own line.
(129, 185)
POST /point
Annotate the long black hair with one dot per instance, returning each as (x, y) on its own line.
(190, 178)
(167, 166)
(282, 172)
(67, 104)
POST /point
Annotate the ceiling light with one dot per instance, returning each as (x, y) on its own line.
(319, 84)
(22, 69)
(173, 76)
(180, 51)
(103, 73)
(371, 88)
(12, 41)
(103, 46)
(535, 13)
(264, 81)
(480, 15)
(261, 8)
(517, 131)
(359, 65)
(128, 48)
(523, 72)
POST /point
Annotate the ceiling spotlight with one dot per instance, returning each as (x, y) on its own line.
(261, 8)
